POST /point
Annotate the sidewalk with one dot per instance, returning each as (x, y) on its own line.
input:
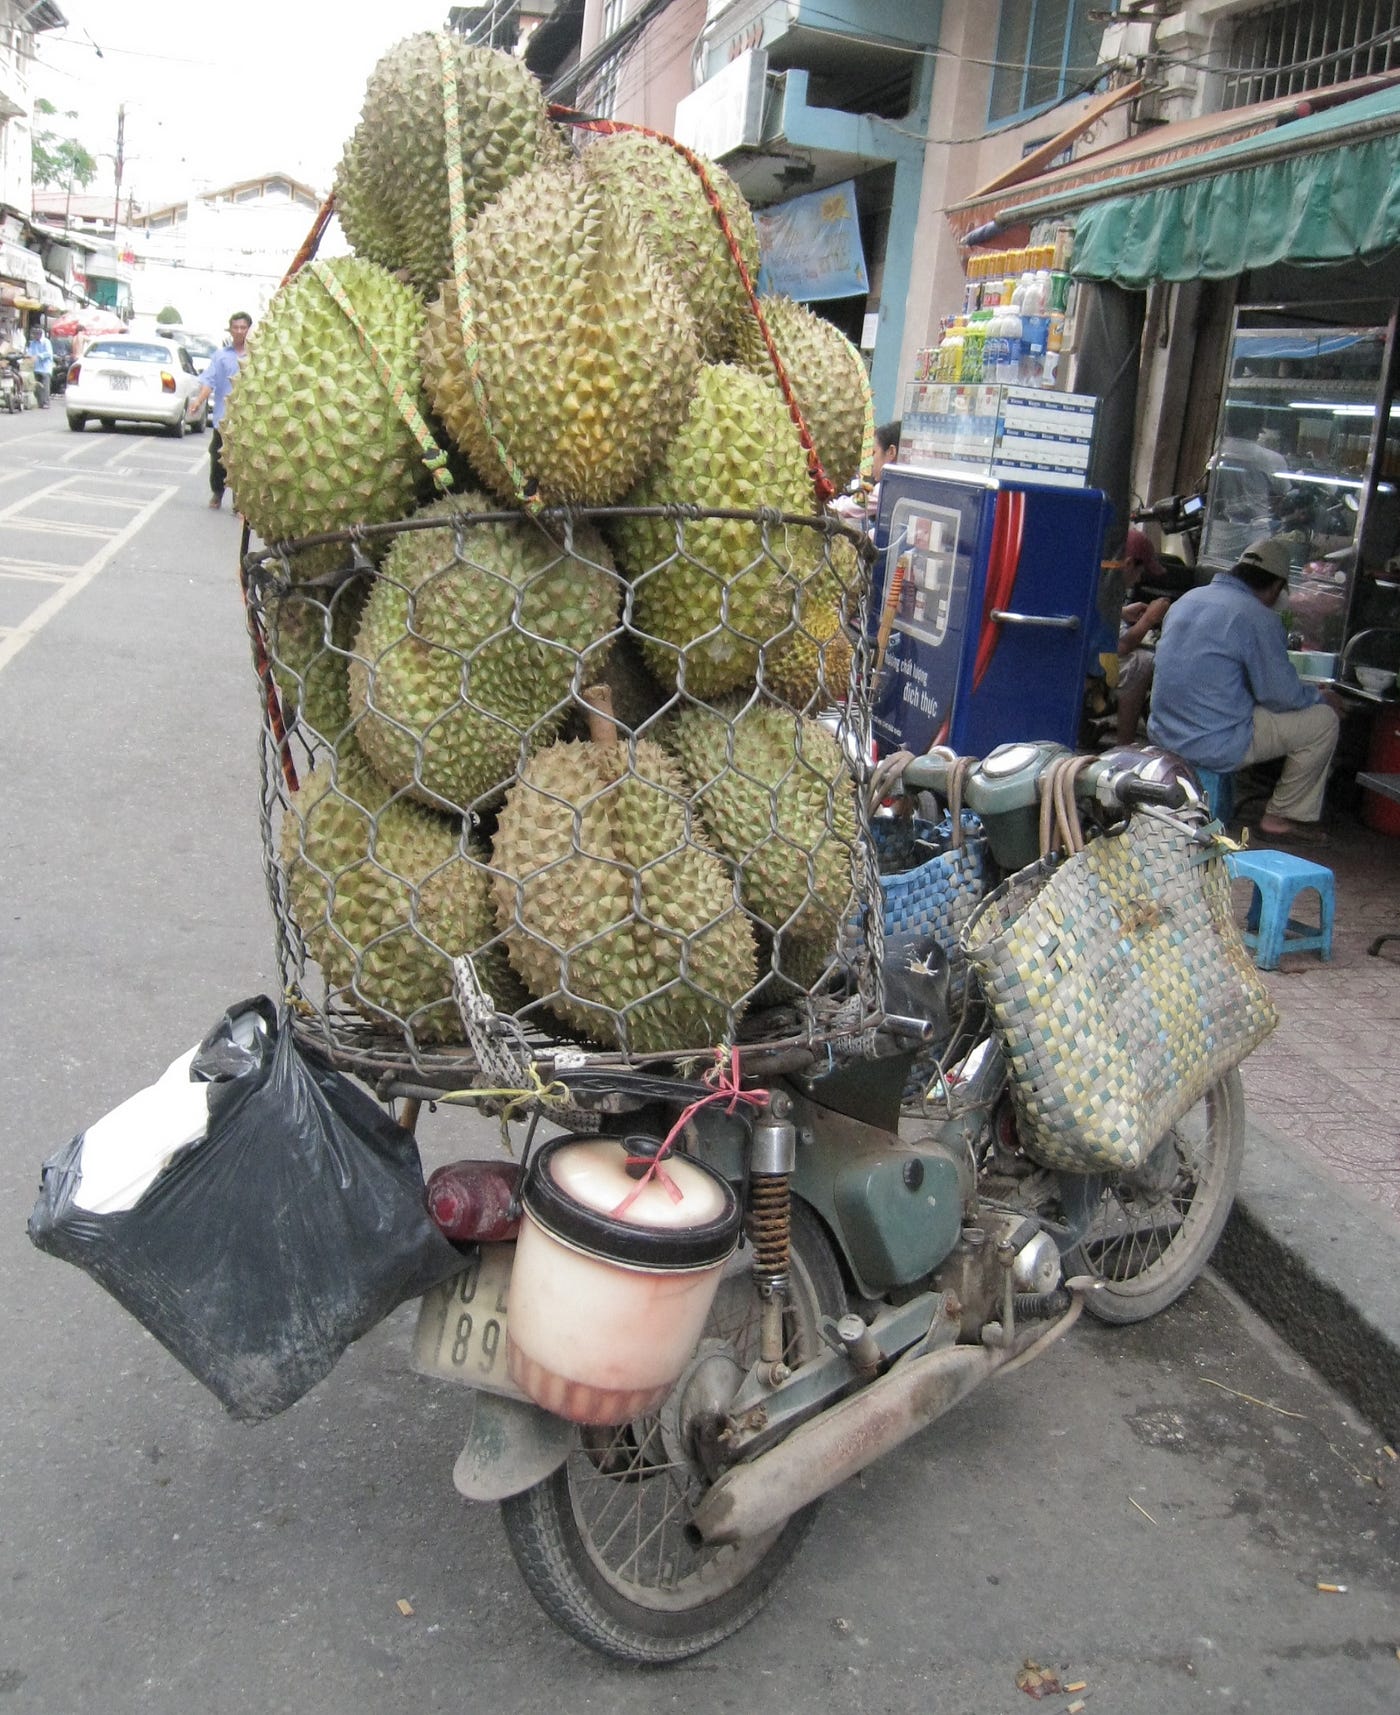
(1314, 1243)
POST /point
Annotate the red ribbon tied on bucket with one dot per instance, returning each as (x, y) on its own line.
(727, 1078)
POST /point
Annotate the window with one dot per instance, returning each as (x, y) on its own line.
(1045, 49)
(1308, 44)
(605, 93)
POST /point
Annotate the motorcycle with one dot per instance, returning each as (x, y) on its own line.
(1181, 515)
(13, 395)
(892, 1261)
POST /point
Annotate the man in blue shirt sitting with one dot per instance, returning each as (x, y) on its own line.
(1226, 695)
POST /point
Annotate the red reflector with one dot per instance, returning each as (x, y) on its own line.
(470, 1201)
(167, 381)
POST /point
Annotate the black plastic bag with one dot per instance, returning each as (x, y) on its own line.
(262, 1250)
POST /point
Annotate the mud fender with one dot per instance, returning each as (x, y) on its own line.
(511, 1445)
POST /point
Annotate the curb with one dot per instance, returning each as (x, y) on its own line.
(1317, 1261)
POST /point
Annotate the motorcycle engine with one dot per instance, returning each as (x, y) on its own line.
(976, 1271)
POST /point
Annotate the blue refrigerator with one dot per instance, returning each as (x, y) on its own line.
(983, 617)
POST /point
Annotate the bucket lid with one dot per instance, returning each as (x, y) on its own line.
(576, 1188)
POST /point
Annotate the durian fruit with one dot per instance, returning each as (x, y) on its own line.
(385, 896)
(363, 218)
(309, 636)
(828, 379)
(615, 916)
(469, 646)
(682, 229)
(581, 344)
(392, 180)
(810, 669)
(731, 590)
(775, 794)
(312, 437)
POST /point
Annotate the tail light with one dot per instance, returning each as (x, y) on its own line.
(473, 1202)
(167, 381)
(74, 371)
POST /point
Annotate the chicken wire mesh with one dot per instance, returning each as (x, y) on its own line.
(601, 766)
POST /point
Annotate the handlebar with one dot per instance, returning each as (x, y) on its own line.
(929, 774)
(1133, 790)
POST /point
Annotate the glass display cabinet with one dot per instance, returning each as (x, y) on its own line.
(1308, 449)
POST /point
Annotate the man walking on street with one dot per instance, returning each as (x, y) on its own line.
(41, 350)
(219, 375)
(1225, 693)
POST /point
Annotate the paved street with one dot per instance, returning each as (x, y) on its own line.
(1148, 1511)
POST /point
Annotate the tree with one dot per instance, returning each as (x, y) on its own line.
(59, 161)
(169, 317)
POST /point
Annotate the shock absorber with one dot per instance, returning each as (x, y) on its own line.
(772, 1158)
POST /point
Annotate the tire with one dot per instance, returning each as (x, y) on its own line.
(105, 423)
(576, 1547)
(1150, 1233)
(77, 422)
(176, 430)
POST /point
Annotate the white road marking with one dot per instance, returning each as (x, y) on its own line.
(61, 527)
(37, 571)
(71, 497)
(12, 641)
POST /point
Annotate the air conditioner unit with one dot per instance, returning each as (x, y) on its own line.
(726, 112)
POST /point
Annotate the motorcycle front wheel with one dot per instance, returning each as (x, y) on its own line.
(606, 1544)
(1147, 1234)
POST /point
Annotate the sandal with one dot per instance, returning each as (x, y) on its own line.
(1295, 834)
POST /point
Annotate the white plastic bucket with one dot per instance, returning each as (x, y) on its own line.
(608, 1297)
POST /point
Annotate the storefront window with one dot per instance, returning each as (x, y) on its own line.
(1045, 49)
(1298, 456)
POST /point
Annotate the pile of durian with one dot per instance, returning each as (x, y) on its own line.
(582, 750)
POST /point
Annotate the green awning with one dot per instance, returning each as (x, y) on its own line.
(1319, 190)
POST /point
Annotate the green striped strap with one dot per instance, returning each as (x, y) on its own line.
(400, 394)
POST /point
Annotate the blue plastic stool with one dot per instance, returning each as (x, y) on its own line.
(1278, 879)
(1220, 792)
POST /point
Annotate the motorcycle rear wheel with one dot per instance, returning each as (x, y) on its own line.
(606, 1544)
(1150, 1232)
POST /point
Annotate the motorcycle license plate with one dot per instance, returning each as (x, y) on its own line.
(461, 1332)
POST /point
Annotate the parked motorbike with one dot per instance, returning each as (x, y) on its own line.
(1182, 516)
(13, 396)
(890, 1264)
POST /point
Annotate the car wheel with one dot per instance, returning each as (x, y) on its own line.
(176, 430)
(77, 422)
(107, 422)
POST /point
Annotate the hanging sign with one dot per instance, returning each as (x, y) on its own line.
(810, 248)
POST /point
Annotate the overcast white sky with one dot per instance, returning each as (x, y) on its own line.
(218, 93)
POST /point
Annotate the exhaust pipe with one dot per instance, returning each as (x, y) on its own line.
(758, 1497)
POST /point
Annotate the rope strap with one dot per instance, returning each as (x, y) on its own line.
(400, 394)
(727, 1077)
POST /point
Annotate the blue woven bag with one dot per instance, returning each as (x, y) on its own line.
(935, 896)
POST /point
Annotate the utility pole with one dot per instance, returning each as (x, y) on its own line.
(117, 160)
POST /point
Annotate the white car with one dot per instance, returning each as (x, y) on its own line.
(128, 378)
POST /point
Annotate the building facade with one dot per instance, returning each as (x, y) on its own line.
(24, 285)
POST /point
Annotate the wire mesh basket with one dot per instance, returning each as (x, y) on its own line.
(568, 785)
